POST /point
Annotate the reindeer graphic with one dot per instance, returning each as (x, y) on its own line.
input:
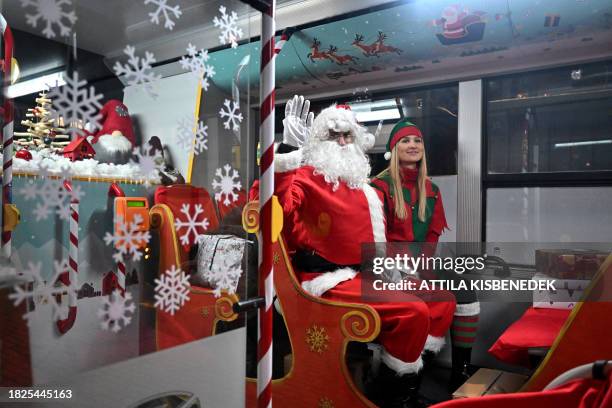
(381, 48)
(368, 50)
(315, 54)
(340, 59)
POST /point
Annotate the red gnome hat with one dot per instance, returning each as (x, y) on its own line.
(115, 117)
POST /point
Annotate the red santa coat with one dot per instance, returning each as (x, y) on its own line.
(333, 223)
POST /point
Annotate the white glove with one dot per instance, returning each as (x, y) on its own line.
(297, 122)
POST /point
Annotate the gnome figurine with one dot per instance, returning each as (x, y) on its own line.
(115, 140)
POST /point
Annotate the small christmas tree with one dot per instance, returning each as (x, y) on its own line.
(42, 130)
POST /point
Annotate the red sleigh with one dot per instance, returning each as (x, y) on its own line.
(583, 339)
(198, 318)
(319, 332)
(585, 336)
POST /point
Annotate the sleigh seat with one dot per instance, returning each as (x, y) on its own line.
(199, 316)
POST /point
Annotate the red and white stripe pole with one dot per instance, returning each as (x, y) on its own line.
(116, 191)
(266, 191)
(121, 277)
(285, 35)
(7, 134)
(71, 277)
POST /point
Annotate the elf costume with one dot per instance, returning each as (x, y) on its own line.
(412, 229)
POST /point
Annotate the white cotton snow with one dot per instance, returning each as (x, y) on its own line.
(62, 166)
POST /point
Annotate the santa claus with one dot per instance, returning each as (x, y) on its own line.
(330, 209)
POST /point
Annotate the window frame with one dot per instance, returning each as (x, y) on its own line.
(598, 178)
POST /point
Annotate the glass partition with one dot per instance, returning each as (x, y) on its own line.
(133, 148)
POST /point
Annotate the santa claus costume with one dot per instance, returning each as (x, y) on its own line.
(324, 191)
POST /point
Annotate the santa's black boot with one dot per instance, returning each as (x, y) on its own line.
(378, 387)
(395, 391)
(461, 357)
(428, 358)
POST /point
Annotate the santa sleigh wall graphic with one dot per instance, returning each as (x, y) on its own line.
(460, 26)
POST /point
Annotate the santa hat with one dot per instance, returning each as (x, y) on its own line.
(116, 119)
(401, 129)
(340, 118)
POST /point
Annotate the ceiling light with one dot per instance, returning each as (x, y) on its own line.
(35, 85)
(375, 111)
(585, 143)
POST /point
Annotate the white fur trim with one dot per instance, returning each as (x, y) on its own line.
(401, 367)
(328, 280)
(434, 344)
(287, 161)
(377, 217)
(387, 155)
(113, 144)
(338, 119)
(368, 141)
(467, 309)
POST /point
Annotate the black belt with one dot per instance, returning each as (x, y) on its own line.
(309, 261)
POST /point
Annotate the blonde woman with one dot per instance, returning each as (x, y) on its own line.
(414, 212)
(412, 202)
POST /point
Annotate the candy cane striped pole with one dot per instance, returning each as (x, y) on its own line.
(266, 179)
(7, 135)
(116, 191)
(285, 35)
(120, 277)
(70, 279)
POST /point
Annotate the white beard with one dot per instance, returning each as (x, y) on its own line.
(338, 163)
(113, 149)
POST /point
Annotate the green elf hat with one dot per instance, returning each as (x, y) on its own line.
(401, 129)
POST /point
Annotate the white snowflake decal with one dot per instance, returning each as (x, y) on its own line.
(115, 312)
(228, 23)
(233, 115)
(225, 275)
(191, 224)
(201, 138)
(75, 104)
(227, 185)
(164, 8)
(42, 291)
(128, 238)
(185, 135)
(53, 196)
(196, 63)
(52, 12)
(138, 70)
(148, 164)
(172, 290)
